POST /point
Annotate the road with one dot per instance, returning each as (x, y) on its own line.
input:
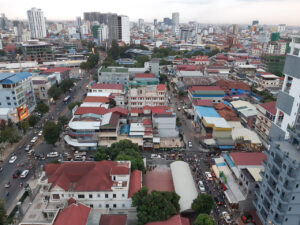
(59, 109)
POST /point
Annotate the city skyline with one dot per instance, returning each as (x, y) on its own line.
(270, 12)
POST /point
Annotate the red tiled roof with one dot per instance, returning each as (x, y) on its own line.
(57, 69)
(228, 85)
(204, 88)
(146, 107)
(107, 86)
(161, 87)
(9, 48)
(147, 122)
(80, 176)
(187, 68)
(174, 220)
(270, 107)
(203, 102)
(113, 219)
(248, 158)
(75, 214)
(97, 99)
(119, 110)
(136, 110)
(71, 201)
(144, 75)
(94, 110)
(135, 182)
(120, 170)
(165, 110)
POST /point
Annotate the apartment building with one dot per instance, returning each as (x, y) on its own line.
(35, 50)
(214, 93)
(267, 80)
(41, 85)
(274, 48)
(112, 189)
(150, 95)
(17, 94)
(278, 199)
(113, 75)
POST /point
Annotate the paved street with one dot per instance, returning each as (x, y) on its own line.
(40, 146)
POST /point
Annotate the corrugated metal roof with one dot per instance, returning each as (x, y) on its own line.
(12, 78)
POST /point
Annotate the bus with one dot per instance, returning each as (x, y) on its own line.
(67, 99)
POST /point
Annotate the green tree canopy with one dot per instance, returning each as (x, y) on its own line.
(108, 61)
(3, 216)
(51, 132)
(63, 120)
(65, 85)
(10, 135)
(114, 51)
(155, 206)
(204, 219)
(33, 120)
(141, 59)
(112, 103)
(204, 203)
(71, 105)
(54, 92)
(42, 108)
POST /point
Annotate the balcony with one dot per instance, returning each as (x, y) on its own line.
(265, 163)
(278, 219)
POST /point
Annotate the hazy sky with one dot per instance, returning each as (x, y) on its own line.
(203, 11)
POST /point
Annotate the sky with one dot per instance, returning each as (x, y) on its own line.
(271, 12)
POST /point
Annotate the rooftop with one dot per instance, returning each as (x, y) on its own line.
(12, 78)
(174, 220)
(114, 69)
(107, 86)
(113, 219)
(57, 69)
(270, 107)
(206, 111)
(75, 214)
(93, 110)
(248, 158)
(96, 99)
(144, 75)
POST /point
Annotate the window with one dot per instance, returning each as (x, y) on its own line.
(114, 178)
(8, 103)
(290, 208)
(100, 206)
(8, 98)
(115, 205)
(123, 205)
(106, 195)
(14, 98)
(107, 206)
(90, 196)
(114, 195)
(297, 185)
(123, 195)
(284, 166)
(296, 51)
(293, 198)
(98, 195)
(286, 219)
(55, 196)
(13, 92)
(80, 196)
(91, 205)
(62, 195)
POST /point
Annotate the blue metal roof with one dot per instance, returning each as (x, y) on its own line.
(12, 78)
(206, 111)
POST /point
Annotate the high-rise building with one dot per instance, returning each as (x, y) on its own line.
(123, 29)
(91, 16)
(281, 27)
(184, 33)
(235, 29)
(140, 23)
(175, 18)
(255, 23)
(167, 21)
(78, 22)
(155, 22)
(277, 200)
(103, 34)
(37, 25)
(3, 22)
(1, 46)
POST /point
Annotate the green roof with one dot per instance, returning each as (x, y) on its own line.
(118, 70)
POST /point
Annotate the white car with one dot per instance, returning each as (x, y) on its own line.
(190, 144)
(201, 186)
(226, 217)
(40, 133)
(33, 140)
(27, 148)
(12, 159)
(52, 154)
(155, 156)
(24, 174)
(208, 176)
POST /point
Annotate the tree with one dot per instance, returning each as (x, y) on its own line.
(63, 120)
(155, 206)
(2, 124)
(54, 92)
(164, 62)
(51, 132)
(112, 103)
(114, 51)
(2, 53)
(108, 61)
(182, 93)
(204, 219)
(23, 125)
(33, 120)
(42, 107)
(141, 59)
(3, 216)
(204, 203)
(71, 105)
(65, 85)
(10, 135)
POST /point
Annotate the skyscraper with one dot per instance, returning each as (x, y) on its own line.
(278, 198)
(78, 21)
(155, 22)
(184, 33)
(3, 22)
(123, 29)
(175, 23)
(140, 23)
(36, 22)
(167, 21)
(235, 29)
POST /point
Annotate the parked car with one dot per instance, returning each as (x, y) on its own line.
(24, 174)
(12, 159)
(7, 185)
(219, 200)
(31, 152)
(201, 186)
(155, 156)
(16, 174)
(33, 140)
(52, 154)
(1, 168)
(226, 217)
(27, 148)
(190, 144)
(208, 176)
(40, 133)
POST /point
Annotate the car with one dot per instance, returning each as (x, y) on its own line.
(24, 174)
(190, 144)
(219, 200)
(27, 148)
(155, 156)
(12, 159)
(34, 139)
(226, 217)
(16, 174)
(201, 186)
(7, 185)
(29, 166)
(52, 154)
(208, 176)
(178, 108)
(31, 152)
(1, 169)
(40, 133)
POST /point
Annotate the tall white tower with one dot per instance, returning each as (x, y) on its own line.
(37, 24)
(124, 29)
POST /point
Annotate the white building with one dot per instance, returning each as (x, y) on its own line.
(164, 120)
(100, 185)
(1, 46)
(36, 22)
(102, 34)
(274, 48)
(150, 95)
(84, 29)
(281, 27)
(124, 29)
